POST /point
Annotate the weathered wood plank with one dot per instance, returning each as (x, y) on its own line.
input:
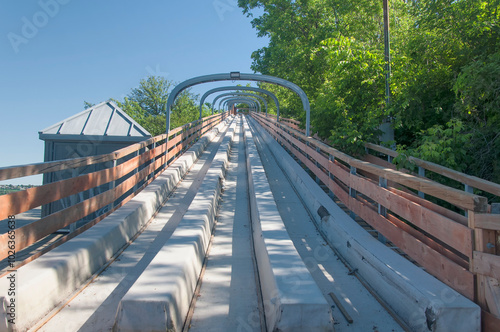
(493, 296)
(382, 149)
(436, 264)
(31, 233)
(445, 269)
(450, 232)
(13, 172)
(454, 196)
(487, 264)
(339, 172)
(432, 206)
(489, 323)
(488, 221)
(35, 231)
(473, 181)
(21, 201)
(83, 228)
(342, 194)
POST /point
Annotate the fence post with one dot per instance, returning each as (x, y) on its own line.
(331, 177)
(151, 175)
(73, 200)
(112, 186)
(352, 192)
(484, 241)
(382, 210)
(421, 172)
(318, 150)
(468, 189)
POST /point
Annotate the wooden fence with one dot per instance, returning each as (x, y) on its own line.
(134, 167)
(458, 246)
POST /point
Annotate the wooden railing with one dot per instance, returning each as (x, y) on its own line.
(458, 249)
(133, 168)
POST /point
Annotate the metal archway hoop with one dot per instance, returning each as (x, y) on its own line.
(251, 95)
(242, 88)
(237, 76)
(245, 100)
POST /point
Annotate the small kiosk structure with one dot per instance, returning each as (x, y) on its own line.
(98, 130)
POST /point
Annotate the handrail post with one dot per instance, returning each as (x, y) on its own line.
(318, 150)
(112, 186)
(421, 173)
(352, 192)
(470, 190)
(331, 177)
(73, 200)
(151, 175)
(482, 243)
(382, 210)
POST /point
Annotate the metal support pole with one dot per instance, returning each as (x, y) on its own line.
(382, 182)
(318, 150)
(470, 190)
(421, 172)
(331, 177)
(387, 52)
(352, 192)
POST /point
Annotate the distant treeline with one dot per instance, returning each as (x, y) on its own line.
(9, 188)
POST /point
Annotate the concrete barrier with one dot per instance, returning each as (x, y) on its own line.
(160, 298)
(420, 300)
(44, 283)
(292, 300)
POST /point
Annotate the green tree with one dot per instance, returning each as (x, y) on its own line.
(478, 104)
(445, 65)
(87, 104)
(147, 105)
(350, 105)
(448, 83)
(334, 51)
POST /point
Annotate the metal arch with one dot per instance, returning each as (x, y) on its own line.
(246, 100)
(241, 93)
(255, 101)
(237, 76)
(253, 95)
(236, 96)
(243, 88)
(233, 102)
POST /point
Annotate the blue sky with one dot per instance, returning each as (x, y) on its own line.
(54, 54)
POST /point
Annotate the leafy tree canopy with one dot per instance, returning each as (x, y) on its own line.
(147, 105)
(445, 64)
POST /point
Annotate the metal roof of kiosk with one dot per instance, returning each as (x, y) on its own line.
(102, 122)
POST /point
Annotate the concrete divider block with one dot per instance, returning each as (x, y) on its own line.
(420, 300)
(44, 283)
(160, 298)
(292, 300)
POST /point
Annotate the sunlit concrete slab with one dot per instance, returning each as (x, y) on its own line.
(421, 301)
(292, 300)
(364, 312)
(228, 299)
(94, 308)
(50, 279)
(160, 298)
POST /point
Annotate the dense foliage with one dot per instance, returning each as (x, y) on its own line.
(147, 105)
(445, 61)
